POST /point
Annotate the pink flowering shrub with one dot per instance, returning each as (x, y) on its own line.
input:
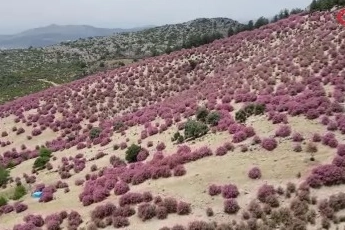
(221, 151)
(170, 204)
(214, 190)
(283, 131)
(160, 146)
(146, 211)
(341, 150)
(297, 137)
(269, 144)
(179, 170)
(265, 191)
(239, 137)
(183, 208)
(36, 220)
(231, 206)
(121, 188)
(254, 173)
(20, 207)
(327, 175)
(230, 191)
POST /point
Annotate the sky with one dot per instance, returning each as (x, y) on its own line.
(19, 15)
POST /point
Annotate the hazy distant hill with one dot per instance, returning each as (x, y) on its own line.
(53, 34)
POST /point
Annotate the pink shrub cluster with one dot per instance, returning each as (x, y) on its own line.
(254, 173)
(269, 144)
(283, 131)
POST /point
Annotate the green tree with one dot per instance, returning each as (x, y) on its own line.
(213, 118)
(94, 132)
(194, 129)
(3, 201)
(201, 114)
(132, 153)
(19, 192)
(4, 175)
(250, 25)
(261, 22)
(231, 32)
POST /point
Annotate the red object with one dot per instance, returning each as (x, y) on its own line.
(340, 17)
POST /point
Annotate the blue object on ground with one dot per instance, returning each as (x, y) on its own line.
(36, 194)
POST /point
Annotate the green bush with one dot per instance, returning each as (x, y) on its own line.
(201, 114)
(19, 192)
(94, 132)
(132, 152)
(213, 118)
(4, 175)
(44, 157)
(249, 110)
(176, 136)
(45, 152)
(118, 125)
(194, 129)
(180, 139)
(3, 201)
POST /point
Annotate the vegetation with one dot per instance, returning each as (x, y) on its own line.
(132, 153)
(4, 176)
(320, 5)
(94, 132)
(43, 159)
(3, 201)
(194, 129)
(249, 110)
(19, 192)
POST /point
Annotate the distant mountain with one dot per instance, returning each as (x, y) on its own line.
(53, 34)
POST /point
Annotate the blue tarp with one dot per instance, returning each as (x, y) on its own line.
(36, 194)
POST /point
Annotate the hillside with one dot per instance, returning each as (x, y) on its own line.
(23, 69)
(53, 34)
(264, 149)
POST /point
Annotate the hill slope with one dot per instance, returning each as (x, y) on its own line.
(295, 67)
(53, 34)
(23, 69)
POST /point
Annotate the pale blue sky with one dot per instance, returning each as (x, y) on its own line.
(18, 15)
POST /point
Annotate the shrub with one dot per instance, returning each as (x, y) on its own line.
(120, 222)
(201, 114)
(221, 151)
(194, 129)
(341, 150)
(254, 173)
(209, 212)
(297, 137)
(213, 118)
(121, 188)
(179, 170)
(183, 208)
(46, 197)
(146, 211)
(297, 148)
(20, 207)
(132, 153)
(4, 176)
(161, 212)
(170, 204)
(7, 208)
(311, 148)
(230, 191)
(269, 144)
(35, 220)
(19, 192)
(214, 190)
(94, 133)
(283, 131)
(160, 146)
(265, 191)
(231, 206)
(3, 201)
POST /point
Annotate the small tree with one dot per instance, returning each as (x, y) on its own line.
(94, 132)
(19, 192)
(194, 129)
(43, 159)
(201, 114)
(4, 175)
(132, 153)
(213, 118)
(3, 201)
